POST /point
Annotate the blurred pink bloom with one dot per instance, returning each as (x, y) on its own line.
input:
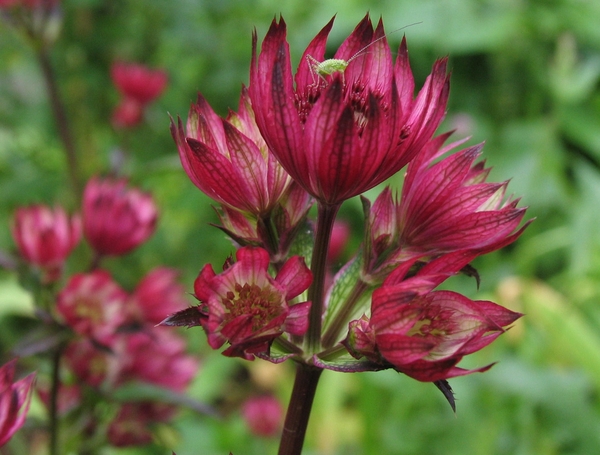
(116, 219)
(156, 356)
(128, 113)
(263, 415)
(131, 426)
(92, 365)
(45, 237)
(139, 86)
(340, 134)
(69, 396)
(93, 305)
(157, 295)
(14, 400)
(249, 309)
(138, 82)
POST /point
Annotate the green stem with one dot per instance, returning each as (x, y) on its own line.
(298, 413)
(62, 123)
(53, 426)
(318, 267)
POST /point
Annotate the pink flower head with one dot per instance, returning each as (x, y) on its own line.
(93, 305)
(116, 219)
(139, 86)
(138, 82)
(157, 295)
(156, 357)
(248, 308)
(14, 400)
(132, 425)
(229, 160)
(341, 132)
(92, 365)
(263, 415)
(425, 336)
(448, 206)
(45, 237)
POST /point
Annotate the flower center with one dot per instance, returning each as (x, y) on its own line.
(263, 304)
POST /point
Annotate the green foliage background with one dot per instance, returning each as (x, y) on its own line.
(525, 78)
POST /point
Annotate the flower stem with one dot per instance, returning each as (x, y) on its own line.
(53, 426)
(316, 292)
(62, 123)
(296, 419)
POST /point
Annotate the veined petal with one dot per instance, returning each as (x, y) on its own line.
(305, 75)
(404, 79)
(215, 175)
(401, 349)
(296, 322)
(295, 276)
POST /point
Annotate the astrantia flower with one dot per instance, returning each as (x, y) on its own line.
(247, 308)
(448, 206)
(116, 219)
(14, 401)
(341, 134)
(92, 305)
(45, 237)
(157, 295)
(425, 336)
(229, 160)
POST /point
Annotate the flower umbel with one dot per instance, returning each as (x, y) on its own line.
(342, 134)
(247, 308)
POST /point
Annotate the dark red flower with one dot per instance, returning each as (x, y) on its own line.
(426, 335)
(229, 160)
(248, 308)
(448, 206)
(116, 219)
(339, 133)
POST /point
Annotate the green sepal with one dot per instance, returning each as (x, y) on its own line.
(349, 295)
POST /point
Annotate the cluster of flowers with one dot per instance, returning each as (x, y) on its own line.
(113, 339)
(330, 132)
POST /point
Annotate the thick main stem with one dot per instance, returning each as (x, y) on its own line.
(296, 419)
(62, 122)
(316, 292)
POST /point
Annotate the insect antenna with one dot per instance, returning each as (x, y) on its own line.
(361, 51)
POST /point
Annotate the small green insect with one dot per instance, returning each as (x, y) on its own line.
(338, 65)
